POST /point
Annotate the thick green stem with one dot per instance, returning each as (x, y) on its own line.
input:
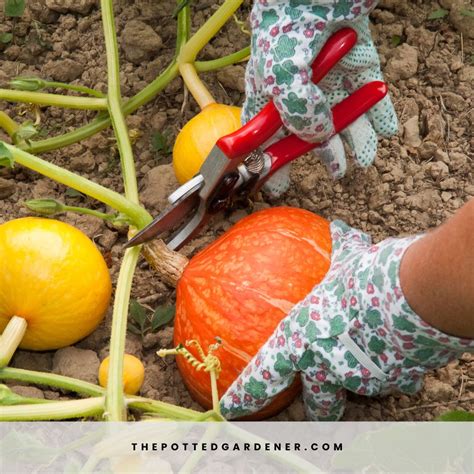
(55, 100)
(114, 100)
(8, 124)
(213, 64)
(54, 411)
(11, 339)
(212, 26)
(75, 88)
(90, 212)
(136, 213)
(166, 410)
(115, 400)
(52, 380)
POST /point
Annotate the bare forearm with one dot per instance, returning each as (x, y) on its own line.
(437, 275)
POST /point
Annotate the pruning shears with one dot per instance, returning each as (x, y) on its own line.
(237, 166)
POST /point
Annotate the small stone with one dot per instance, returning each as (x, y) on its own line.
(445, 196)
(152, 341)
(39, 361)
(403, 64)
(438, 391)
(411, 132)
(158, 121)
(424, 200)
(232, 77)
(7, 188)
(79, 363)
(107, 239)
(469, 189)
(26, 391)
(166, 337)
(84, 162)
(438, 170)
(454, 102)
(65, 70)
(380, 196)
(466, 74)
(157, 185)
(404, 401)
(74, 6)
(427, 150)
(458, 161)
(140, 42)
(91, 226)
(41, 13)
(440, 155)
(449, 184)
(375, 217)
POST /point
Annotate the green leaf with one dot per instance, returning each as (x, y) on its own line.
(160, 144)
(14, 7)
(26, 131)
(456, 415)
(396, 40)
(162, 316)
(5, 38)
(469, 13)
(138, 314)
(133, 329)
(70, 192)
(438, 14)
(6, 157)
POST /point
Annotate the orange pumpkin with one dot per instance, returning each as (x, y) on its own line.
(242, 285)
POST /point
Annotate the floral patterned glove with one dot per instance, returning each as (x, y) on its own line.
(355, 331)
(286, 37)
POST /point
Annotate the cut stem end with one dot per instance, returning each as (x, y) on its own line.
(11, 339)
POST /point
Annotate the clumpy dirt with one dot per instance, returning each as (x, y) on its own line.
(420, 178)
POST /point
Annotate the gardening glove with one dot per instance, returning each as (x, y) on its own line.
(355, 331)
(286, 37)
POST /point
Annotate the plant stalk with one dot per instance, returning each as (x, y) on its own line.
(207, 31)
(52, 380)
(11, 339)
(114, 101)
(213, 64)
(115, 400)
(8, 124)
(54, 411)
(195, 85)
(85, 388)
(135, 212)
(54, 100)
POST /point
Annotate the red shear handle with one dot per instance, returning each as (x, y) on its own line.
(344, 113)
(266, 123)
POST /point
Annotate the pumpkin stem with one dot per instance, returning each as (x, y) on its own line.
(11, 339)
(166, 262)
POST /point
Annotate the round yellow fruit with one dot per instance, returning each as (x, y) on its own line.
(53, 276)
(199, 135)
(133, 373)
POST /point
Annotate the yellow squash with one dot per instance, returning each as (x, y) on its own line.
(199, 135)
(133, 373)
(53, 276)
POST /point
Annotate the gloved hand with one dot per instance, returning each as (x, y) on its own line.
(286, 37)
(354, 331)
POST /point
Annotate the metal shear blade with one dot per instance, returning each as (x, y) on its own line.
(183, 201)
